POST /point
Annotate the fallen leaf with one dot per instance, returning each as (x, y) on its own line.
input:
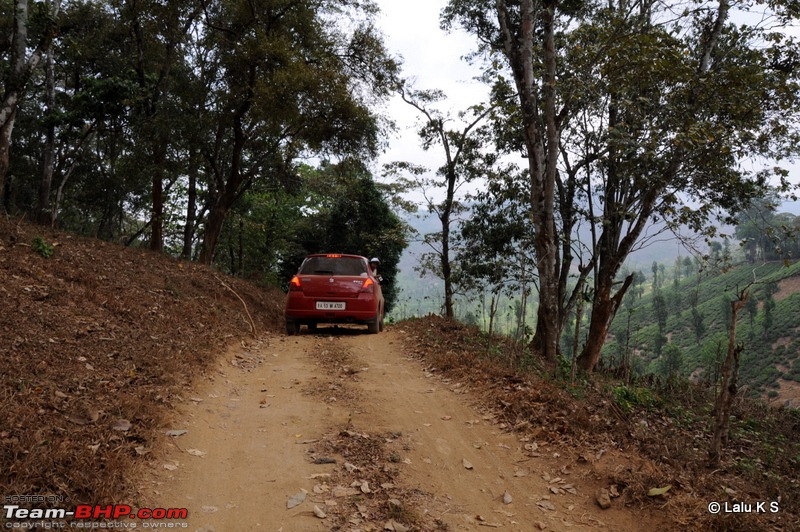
(209, 509)
(175, 433)
(547, 505)
(654, 492)
(196, 452)
(141, 450)
(341, 491)
(467, 464)
(296, 500)
(170, 467)
(319, 513)
(447, 418)
(507, 499)
(122, 425)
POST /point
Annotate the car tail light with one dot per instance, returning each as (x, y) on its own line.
(294, 284)
(368, 285)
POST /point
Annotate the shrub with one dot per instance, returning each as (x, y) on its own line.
(41, 247)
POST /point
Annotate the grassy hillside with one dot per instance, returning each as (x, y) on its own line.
(771, 346)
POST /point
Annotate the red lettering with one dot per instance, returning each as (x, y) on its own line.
(121, 510)
(83, 511)
(103, 511)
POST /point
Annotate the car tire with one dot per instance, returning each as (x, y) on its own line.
(374, 327)
(292, 327)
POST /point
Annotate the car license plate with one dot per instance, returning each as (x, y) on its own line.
(330, 305)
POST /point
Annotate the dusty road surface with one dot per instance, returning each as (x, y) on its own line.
(341, 430)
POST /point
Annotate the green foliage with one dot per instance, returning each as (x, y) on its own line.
(630, 397)
(763, 352)
(223, 99)
(42, 247)
(351, 213)
(670, 364)
(337, 208)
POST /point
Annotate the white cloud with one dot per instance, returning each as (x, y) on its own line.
(431, 58)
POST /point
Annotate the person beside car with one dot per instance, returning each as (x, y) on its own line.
(374, 264)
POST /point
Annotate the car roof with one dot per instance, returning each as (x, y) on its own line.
(336, 255)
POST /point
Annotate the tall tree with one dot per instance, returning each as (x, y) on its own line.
(21, 65)
(524, 34)
(285, 80)
(157, 32)
(495, 241)
(463, 161)
(728, 388)
(657, 110)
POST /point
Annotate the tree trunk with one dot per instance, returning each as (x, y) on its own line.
(541, 133)
(12, 88)
(157, 227)
(447, 272)
(577, 338)
(727, 392)
(6, 127)
(49, 157)
(213, 229)
(604, 308)
(191, 212)
(20, 71)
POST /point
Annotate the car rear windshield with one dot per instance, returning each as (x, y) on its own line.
(333, 266)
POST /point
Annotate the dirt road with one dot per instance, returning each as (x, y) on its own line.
(412, 451)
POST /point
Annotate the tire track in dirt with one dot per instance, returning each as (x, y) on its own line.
(258, 423)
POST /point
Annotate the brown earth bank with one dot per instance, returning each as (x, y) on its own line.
(132, 378)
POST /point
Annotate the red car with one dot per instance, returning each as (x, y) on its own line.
(334, 288)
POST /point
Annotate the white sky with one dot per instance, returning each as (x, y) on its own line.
(432, 58)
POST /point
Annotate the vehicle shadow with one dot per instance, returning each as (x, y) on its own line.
(335, 330)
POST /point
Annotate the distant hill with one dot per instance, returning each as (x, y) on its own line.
(423, 295)
(770, 362)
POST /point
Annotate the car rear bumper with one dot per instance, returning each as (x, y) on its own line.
(303, 310)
